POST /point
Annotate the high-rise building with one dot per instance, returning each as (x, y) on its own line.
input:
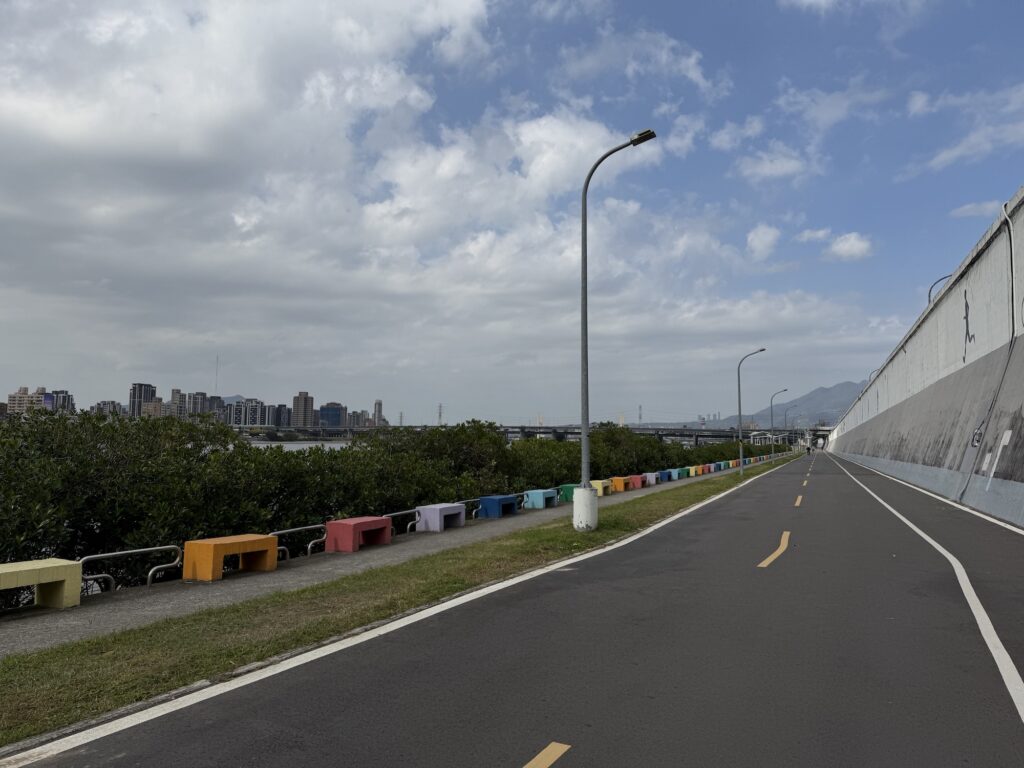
(178, 405)
(302, 410)
(378, 413)
(23, 400)
(138, 397)
(108, 408)
(283, 417)
(215, 405)
(3, 410)
(153, 409)
(63, 401)
(197, 403)
(330, 415)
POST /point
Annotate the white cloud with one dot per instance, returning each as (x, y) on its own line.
(685, 130)
(761, 241)
(851, 246)
(985, 210)
(821, 6)
(919, 103)
(566, 10)
(640, 54)
(820, 111)
(731, 135)
(813, 235)
(777, 162)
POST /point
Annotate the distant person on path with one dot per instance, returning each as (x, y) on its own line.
(808, 450)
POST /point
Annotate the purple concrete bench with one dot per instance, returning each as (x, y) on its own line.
(437, 517)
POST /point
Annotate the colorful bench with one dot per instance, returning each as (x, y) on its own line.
(664, 476)
(620, 484)
(497, 506)
(673, 474)
(565, 491)
(436, 517)
(57, 582)
(603, 487)
(351, 533)
(636, 482)
(540, 498)
(204, 558)
(652, 478)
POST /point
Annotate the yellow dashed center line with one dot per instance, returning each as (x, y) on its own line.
(548, 755)
(805, 483)
(798, 500)
(782, 548)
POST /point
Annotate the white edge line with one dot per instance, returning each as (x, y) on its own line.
(1007, 669)
(950, 502)
(166, 708)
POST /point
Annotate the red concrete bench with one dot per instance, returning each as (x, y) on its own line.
(350, 534)
(636, 482)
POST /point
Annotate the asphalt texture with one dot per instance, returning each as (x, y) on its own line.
(34, 628)
(855, 646)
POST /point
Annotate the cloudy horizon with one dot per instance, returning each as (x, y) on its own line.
(381, 200)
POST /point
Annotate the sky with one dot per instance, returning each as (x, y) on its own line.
(382, 199)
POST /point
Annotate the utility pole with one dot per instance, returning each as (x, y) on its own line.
(440, 413)
(401, 421)
(640, 415)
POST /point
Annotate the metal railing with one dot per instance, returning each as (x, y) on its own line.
(127, 553)
(309, 547)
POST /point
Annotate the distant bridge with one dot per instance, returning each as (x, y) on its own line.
(687, 435)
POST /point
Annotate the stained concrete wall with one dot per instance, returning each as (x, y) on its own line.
(946, 410)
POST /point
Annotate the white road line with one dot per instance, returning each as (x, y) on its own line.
(1007, 669)
(137, 718)
(943, 499)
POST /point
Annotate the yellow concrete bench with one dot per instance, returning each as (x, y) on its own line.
(58, 582)
(603, 487)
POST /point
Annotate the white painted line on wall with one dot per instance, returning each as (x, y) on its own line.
(1002, 444)
(138, 718)
(988, 458)
(1007, 669)
(943, 499)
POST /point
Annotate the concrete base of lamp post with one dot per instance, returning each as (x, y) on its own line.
(584, 509)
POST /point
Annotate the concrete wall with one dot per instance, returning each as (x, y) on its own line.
(946, 410)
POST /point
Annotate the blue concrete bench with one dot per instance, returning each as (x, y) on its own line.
(664, 476)
(496, 506)
(674, 474)
(540, 498)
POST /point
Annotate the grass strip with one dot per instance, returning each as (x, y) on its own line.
(49, 689)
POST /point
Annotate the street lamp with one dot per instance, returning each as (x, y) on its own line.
(785, 417)
(944, 277)
(584, 498)
(771, 408)
(739, 403)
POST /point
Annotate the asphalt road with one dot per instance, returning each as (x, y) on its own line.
(854, 646)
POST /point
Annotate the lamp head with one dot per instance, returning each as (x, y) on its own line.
(644, 135)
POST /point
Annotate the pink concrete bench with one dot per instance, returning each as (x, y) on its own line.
(636, 482)
(350, 534)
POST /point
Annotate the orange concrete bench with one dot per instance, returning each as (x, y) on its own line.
(204, 558)
(620, 484)
(349, 534)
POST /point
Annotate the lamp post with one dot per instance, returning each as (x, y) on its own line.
(944, 277)
(771, 408)
(785, 426)
(739, 402)
(584, 498)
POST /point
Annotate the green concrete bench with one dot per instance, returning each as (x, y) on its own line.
(58, 582)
